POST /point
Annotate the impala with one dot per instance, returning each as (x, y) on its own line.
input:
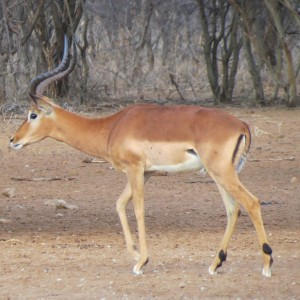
(142, 139)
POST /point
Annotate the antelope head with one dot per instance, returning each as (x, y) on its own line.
(41, 116)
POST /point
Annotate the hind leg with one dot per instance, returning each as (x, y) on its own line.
(232, 209)
(252, 205)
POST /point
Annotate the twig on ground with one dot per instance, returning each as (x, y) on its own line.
(42, 178)
(290, 158)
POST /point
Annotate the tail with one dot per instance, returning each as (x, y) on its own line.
(241, 149)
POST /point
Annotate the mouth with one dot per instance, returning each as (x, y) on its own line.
(16, 146)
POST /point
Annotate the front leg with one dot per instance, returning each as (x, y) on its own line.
(122, 202)
(136, 179)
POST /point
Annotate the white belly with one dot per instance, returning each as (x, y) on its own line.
(191, 163)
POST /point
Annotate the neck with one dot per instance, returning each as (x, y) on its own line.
(82, 133)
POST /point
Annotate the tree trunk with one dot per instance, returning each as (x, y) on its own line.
(85, 71)
(254, 72)
(292, 89)
(210, 46)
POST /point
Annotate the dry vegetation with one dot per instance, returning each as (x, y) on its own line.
(60, 234)
(152, 50)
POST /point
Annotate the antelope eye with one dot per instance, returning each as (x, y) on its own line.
(33, 116)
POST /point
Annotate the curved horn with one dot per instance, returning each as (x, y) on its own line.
(42, 86)
(35, 82)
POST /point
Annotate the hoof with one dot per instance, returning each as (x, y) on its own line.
(212, 271)
(137, 271)
(267, 272)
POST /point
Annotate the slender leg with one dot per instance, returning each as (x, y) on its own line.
(136, 180)
(232, 209)
(252, 206)
(122, 202)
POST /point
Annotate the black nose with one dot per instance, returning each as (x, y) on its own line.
(11, 139)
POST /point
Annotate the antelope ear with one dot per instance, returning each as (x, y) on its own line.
(45, 106)
(42, 104)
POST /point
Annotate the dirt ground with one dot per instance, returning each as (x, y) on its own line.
(79, 252)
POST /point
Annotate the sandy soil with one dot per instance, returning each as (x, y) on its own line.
(79, 252)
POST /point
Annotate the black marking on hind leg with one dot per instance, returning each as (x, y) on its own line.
(222, 257)
(146, 262)
(267, 249)
(271, 261)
